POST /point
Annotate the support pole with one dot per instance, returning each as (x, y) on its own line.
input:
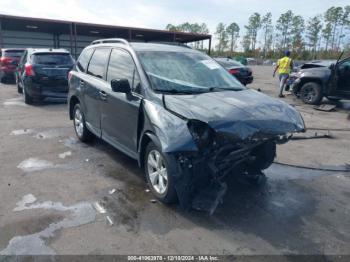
(75, 40)
(1, 38)
(71, 37)
(209, 46)
(58, 41)
(55, 44)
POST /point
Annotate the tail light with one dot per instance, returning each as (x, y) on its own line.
(233, 71)
(29, 69)
(69, 75)
(5, 60)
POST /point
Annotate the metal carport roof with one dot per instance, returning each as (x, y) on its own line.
(74, 31)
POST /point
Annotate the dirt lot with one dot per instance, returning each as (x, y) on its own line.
(50, 182)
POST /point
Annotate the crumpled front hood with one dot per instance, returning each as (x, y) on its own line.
(243, 113)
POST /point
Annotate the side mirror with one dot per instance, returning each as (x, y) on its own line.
(332, 67)
(121, 85)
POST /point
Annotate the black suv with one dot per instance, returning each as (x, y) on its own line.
(44, 73)
(186, 120)
(318, 80)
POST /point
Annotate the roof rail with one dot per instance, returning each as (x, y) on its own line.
(110, 40)
(170, 43)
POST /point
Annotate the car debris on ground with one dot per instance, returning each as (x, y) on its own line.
(112, 191)
(99, 208)
(325, 107)
(314, 135)
(109, 220)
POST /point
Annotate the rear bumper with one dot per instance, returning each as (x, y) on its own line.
(7, 74)
(245, 80)
(37, 90)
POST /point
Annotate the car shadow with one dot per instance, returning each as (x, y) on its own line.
(50, 101)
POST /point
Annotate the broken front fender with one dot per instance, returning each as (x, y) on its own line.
(171, 130)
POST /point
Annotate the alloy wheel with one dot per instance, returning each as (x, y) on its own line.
(309, 94)
(78, 122)
(157, 172)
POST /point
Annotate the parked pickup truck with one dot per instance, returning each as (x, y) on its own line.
(333, 82)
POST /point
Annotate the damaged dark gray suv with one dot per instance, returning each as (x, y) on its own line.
(185, 119)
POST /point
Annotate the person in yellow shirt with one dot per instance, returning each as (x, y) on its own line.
(284, 67)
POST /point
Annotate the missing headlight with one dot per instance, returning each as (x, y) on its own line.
(202, 134)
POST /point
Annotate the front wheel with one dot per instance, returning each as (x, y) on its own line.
(157, 174)
(80, 128)
(333, 99)
(311, 93)
(265, 155)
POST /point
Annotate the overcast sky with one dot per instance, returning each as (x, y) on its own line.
(158, 13)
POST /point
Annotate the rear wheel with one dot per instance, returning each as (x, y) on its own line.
(80, 128)
(27, 98)
(157, 174)
(19, 89)
(311, 93)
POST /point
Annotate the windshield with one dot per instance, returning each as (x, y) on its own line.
(52, 59)
(186, 72)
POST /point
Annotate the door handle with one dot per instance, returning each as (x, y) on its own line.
(81, 82)
(103, 95)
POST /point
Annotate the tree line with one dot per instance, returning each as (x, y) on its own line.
(322, 36)
(190, 28)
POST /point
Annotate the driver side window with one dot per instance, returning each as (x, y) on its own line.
(121, 65)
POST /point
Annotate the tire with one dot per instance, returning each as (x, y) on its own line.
(167, 192)
(333, 99)
(295, 91)
(83, 134)
(311, 93)
(19, 89)
(256, 180)
(265, 154)
(27, 98)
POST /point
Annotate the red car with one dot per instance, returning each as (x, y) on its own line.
(9, 59)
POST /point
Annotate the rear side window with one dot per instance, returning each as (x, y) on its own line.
(52, 59)
(13, 53)
(98, 62)
(84, 59)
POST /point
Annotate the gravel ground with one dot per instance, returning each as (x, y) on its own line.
(50, 184)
